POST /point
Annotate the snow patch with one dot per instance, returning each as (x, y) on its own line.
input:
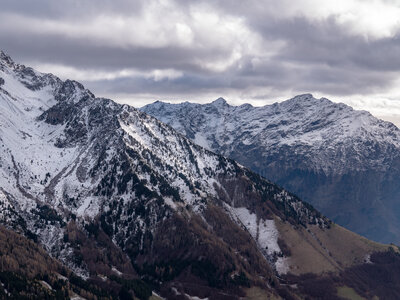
(46, 285)
(77, 297)
(114, 269)
(194, 297)
(157, 295)
(201, 140)
(268, 236)
(282, 265)
(170, 202)
(367, 259)
(264, 232)
(89, 207)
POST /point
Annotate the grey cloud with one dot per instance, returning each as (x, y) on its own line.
(82, 53)
(182, 85)
(70, 8)
(328, 42)
(324, 57)
(318, 56)
(321, 78)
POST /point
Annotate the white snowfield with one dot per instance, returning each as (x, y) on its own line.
(264, 232)
(28, 148)
(27, 144)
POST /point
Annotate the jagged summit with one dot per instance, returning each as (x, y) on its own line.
(303, 97)
(312, 125)
(302, 120)
(4, 56)
(246, 106)
(299, 100)
(5, 59)
(220, 102)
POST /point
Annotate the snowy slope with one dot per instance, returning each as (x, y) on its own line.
(345, 162)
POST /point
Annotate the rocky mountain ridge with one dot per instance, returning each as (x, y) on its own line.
(343, 161)
(304, 122)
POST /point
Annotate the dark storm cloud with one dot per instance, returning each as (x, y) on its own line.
(301, 53)
(82, 54)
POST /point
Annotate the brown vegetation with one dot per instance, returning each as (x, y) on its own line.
(18, 254)
(205, 260)
(97, 251)
(379, 279)
(316, 250)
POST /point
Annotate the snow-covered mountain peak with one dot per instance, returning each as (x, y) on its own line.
(307, 103)
(220, 102)
(314, 126)
(5, 59)
(246, 106)
(303, 97)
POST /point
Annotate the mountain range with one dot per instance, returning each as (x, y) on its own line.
(345, 162)
(130, 208)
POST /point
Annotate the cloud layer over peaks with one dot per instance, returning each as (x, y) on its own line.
(247, 51)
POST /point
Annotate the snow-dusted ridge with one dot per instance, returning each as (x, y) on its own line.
(67, 157)
(316, 126)
(343, 161)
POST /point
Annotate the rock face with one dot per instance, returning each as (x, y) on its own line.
(344, 162)
(115, 194)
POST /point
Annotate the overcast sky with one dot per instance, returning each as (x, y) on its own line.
(258, 51)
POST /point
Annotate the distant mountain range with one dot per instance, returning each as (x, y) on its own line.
(130, 207)
(344, 162)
